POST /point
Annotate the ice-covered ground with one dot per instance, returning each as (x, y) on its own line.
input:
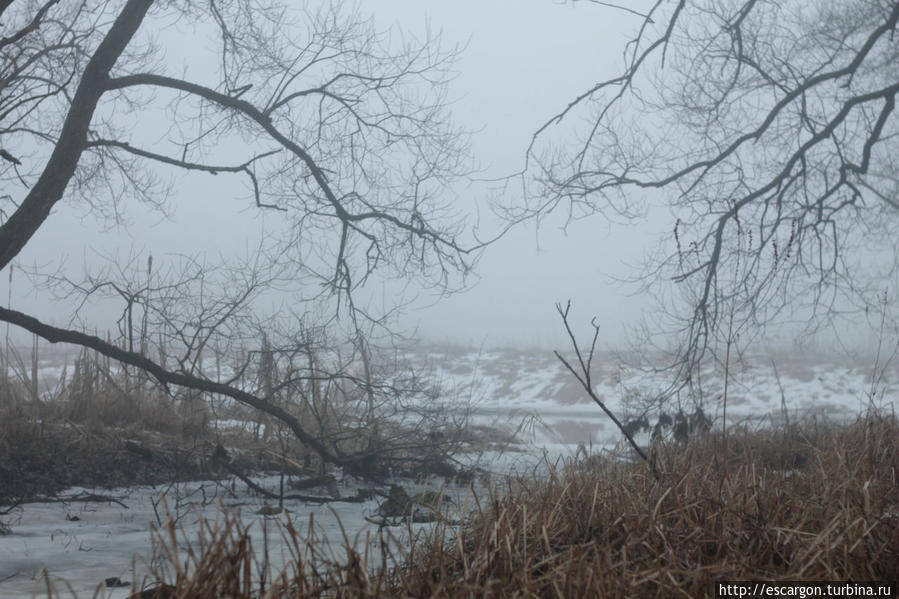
(534, 393)
(527, 392)
(76, 546)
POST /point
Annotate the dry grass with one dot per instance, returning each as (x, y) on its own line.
(815, 502)
(75, 432)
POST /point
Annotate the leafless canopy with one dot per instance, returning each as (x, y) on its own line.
(768, 129)
(338, 125)
(317, 116)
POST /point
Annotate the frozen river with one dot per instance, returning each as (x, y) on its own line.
(77, 545)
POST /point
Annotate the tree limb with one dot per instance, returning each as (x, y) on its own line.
(60, 168)
(167, 377)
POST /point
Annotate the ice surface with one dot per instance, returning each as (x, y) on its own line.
(527, 392)
(111, 540)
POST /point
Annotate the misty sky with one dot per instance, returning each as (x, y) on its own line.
(522, 61)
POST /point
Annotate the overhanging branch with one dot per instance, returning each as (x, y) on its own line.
(167, 377)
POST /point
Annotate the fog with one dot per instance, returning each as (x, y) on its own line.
(257, 209)
(520, 63)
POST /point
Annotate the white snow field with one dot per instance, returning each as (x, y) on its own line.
(505, 387)
(77, 545)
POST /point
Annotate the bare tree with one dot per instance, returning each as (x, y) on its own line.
(768, 130)
(319, 117)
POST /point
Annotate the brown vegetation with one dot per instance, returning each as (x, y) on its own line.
(88, 430)
(813, 502)
(97, 423)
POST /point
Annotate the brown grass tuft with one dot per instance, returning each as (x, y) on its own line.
(812, 502)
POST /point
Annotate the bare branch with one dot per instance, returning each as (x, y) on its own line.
(48, 189)
(166, 377)
(620, 7)
(750, 111)
(583, 377)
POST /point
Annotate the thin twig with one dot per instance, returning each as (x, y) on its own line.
(583, 377)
